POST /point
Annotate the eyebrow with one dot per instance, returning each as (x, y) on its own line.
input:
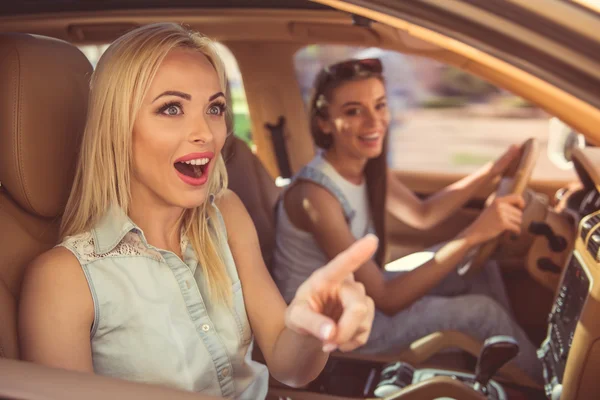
(356, 103)
(216, 95)
(174, 93)
(185, 96)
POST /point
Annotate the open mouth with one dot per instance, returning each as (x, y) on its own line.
(195, 168)
(371, 138)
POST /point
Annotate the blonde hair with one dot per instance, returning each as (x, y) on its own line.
(103, 176)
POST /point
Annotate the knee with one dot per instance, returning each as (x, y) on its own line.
(486, 307)
(489, 315)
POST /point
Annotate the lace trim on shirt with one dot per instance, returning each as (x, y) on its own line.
(183, 242)
(130, 245)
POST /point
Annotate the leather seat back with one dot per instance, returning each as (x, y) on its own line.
(249, 179)
(43, 104)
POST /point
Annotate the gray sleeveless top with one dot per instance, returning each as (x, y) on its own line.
(153, 321)
(297, 254)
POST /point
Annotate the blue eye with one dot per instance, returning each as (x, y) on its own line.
(217, 109)
(171, 109)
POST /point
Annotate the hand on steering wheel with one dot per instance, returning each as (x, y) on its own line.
(515, 177)
(503, 215)
(500, 166)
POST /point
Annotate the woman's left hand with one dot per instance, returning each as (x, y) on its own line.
(331, 306)
(503, 162)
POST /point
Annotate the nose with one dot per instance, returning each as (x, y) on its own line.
(377, 118)
(371, 118)
(200, 132)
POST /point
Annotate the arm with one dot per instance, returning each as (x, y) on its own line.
(292, 358)
(324, 219)
(56, 313)
(296, 339)
(424, 214)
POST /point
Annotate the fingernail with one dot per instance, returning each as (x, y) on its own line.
(372, 236)
(326, 330)
(328, 348)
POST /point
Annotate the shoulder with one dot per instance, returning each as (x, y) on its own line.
(55, 306)
(59, 260)
(228, 202)
(309, 206)
(57, 264)
(57, 277)
(306, 195)
(234, 213)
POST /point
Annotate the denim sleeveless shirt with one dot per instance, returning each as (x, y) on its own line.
(153, 319)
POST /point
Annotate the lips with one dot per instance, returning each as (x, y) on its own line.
(370, 139)
(193, 168)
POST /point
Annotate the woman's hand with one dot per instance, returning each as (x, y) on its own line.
(331, 306)
(503, 162)
(504, 214)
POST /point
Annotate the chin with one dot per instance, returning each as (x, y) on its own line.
(374, 153)
(196, 201)
(190, 199)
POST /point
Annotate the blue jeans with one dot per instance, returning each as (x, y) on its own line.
(477, 306)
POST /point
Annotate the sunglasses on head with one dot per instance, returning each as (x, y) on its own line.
(350, 68)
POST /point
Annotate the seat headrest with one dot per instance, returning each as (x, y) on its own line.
(43, 105)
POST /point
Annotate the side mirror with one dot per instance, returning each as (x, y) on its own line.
(562, 139)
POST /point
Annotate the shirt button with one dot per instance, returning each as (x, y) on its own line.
(188, 284)
(225, 372)
(205, 328)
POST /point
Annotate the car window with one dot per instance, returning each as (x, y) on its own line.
(239, 104)
(443, 119)
(591, 5)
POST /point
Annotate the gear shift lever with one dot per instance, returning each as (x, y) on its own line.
(496, 351)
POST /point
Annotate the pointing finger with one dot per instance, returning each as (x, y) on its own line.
(350, 259)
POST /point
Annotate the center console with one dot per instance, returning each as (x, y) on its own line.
(361, 379)
(354, 378)
(392, 381)
(563, 320)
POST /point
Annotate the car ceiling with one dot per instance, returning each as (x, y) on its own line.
(542, 52)
(435, 15)
(51, 6)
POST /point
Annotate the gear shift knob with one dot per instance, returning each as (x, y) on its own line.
(496, 351)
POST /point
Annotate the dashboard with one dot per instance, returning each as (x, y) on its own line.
(563, 321)
(570, 354)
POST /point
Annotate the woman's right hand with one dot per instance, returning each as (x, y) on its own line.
(504, 214)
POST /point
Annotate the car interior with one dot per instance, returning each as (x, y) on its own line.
(550, 270)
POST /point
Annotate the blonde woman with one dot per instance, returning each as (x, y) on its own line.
(159, 276)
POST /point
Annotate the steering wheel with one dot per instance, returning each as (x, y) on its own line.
(513, 181)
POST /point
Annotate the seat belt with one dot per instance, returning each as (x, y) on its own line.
(278, 137)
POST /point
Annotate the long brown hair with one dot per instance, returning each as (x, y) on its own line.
(376, 168)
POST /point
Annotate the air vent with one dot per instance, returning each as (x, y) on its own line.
(593, 244)
(588, 223)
